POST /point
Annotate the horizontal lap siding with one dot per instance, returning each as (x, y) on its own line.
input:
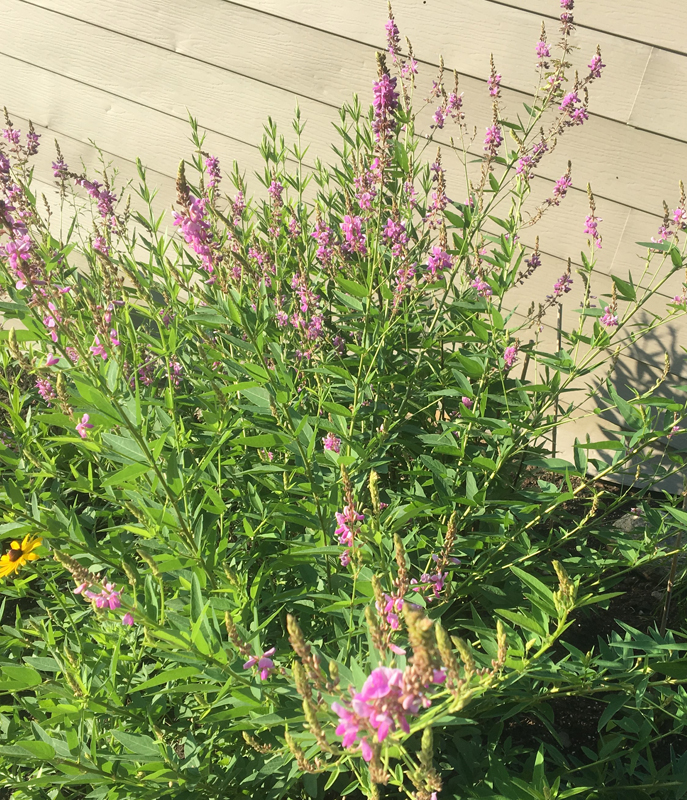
(127, 74)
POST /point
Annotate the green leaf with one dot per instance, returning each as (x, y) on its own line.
(625, 290)
(165, 677)
(677, 668)
(137, 744)
(30, 749)
(128, 473)
(126, 448)
(662, 246)
(351, 287)
(197, 604)
(21, 677)
(607, 445)
(526, 622)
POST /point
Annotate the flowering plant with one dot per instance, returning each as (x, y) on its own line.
(293, 516)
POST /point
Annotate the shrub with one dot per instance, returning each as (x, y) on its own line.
(278, 485)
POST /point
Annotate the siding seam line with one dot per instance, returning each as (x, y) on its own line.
(319, 30)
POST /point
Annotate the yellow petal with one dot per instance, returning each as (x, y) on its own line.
(31, 556)
(16, 545)
(6, 569)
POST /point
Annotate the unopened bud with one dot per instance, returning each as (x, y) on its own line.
(150, 561)
(374, 492)
(465, 655)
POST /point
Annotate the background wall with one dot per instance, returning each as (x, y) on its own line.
(124, 73)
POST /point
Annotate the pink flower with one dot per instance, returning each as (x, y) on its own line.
(680, 217)
(483, 288)
(494, 84)
(108, 597)
(331, 442)
(45, 390)
(98, 350)
(510, 355)
(128, 619)
(348, 523)
(50, 321)
(52, 360)
(609, 319)
(467, 402)
(264, 663)
(113, 338)
(595, 66)
(560, 189)
(542, 50)
(590, 227)
(83, 426)
(493, 139)
(213, 170)
(355, 239)
(437, 263)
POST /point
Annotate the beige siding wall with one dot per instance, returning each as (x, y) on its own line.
(125, 73)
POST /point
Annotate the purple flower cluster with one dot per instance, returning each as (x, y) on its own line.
(609, 319)
(595, 66)
(560, 188)
(482, 287)
(45, 390)
(493, 140)
(510, 355)
(529, 161)
(434, 582)
(494, 84)
(395, 236)
(104, 198)
(542, 50)
(402, 282)
(107, 597)
(575, 111)
(84, 426)
(197, 231)
(437, 262)
(391, 608)
(51, 319)
(264, 663)
(352, 228)
(213, 170)
(384, 104)
(383, 706)
(60, 169)
(348, 522)
(365, 185)
(562, 286)
(331, 442)
(324, 236)
(32, 142)
(451, 108)
(591, 228)
(393, 38)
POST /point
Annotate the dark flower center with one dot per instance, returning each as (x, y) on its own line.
(14, 555)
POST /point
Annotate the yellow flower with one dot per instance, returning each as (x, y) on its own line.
(19, 554)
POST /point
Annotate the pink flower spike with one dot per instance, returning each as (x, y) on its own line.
(128, 619)
(52, 360)
(113, 338)
(83, 426)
